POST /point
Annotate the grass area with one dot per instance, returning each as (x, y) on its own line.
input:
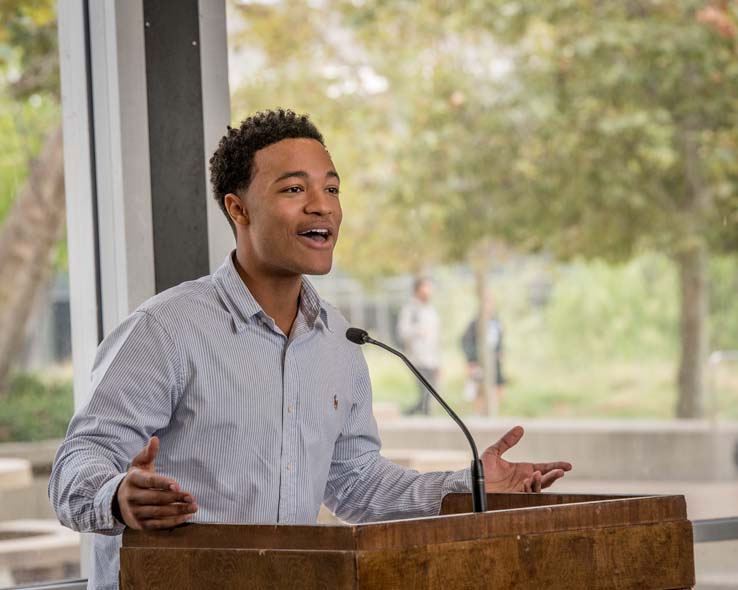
(603, 341)
(36, 407)
(620, 389)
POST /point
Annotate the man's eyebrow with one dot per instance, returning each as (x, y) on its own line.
(291, 174)
(303, 174)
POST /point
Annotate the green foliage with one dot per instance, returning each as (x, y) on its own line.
(631, 389)
(724, 304)
(564, 127)
(29, 94)
(29, 61)
(627, 147)
(35, 408)
(600, 312)
(24, 126)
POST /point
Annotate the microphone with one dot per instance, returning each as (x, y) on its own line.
(479, 496)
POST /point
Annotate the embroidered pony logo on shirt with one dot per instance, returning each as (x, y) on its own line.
(335, 402)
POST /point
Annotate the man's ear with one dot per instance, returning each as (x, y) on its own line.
(236, 208)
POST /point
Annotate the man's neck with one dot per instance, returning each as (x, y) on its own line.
(278, 296)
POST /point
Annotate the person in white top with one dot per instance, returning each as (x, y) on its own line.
(418, 331)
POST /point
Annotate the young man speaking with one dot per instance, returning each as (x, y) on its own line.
(236, 398)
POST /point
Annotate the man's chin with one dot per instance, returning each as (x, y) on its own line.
(318, 270)
(312, 264)
(321, 267)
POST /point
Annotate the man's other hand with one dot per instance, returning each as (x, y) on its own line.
(503, 476)
(150, 501)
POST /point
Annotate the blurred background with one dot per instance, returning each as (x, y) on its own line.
(572, 162)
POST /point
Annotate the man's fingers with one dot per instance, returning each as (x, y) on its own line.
(165, 523)
(546, 467)
(508, 440)
(144, 513)
(147, 455)
(149, 480)
(536, 483)
(148, 497)
(551, 477)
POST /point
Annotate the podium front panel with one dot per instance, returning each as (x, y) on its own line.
(525, 541)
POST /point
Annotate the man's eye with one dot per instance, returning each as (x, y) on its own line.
(293, 189)
(333, 190)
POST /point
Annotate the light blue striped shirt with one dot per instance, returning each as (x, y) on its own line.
(259, 427)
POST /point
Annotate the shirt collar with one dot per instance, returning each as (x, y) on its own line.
(244, 308)
(312, 306)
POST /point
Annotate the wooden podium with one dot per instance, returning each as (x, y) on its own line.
(525, 541)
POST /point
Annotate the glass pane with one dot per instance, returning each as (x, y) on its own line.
(574, 163)
(35, 341)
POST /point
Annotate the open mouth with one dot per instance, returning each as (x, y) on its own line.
(317, 235)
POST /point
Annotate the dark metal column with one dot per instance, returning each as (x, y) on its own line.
(176, 142)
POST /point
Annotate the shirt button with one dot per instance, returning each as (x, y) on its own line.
(290, 409)
(289, 466)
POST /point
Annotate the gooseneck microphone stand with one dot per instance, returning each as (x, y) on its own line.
(479, 496)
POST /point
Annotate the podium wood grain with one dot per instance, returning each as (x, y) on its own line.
(525, 541)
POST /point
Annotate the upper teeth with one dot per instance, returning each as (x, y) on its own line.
(318, 231)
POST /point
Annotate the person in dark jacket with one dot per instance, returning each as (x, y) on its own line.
(494, 351)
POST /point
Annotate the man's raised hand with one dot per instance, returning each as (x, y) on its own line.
(502, 476)
(147, 500)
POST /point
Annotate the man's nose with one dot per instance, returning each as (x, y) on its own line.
(319, 202)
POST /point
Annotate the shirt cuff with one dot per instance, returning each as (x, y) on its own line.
(107, 524)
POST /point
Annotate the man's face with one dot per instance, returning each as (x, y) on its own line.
(292, 208)
(424, 291)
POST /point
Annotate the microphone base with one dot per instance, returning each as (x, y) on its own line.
(479, 492)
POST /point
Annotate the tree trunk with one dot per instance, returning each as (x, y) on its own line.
(694, 305)
(28, 239)
(692, 259)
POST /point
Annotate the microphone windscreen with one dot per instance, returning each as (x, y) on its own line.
(357, 335)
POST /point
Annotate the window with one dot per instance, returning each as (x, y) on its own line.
(574, 164)
(36, 366)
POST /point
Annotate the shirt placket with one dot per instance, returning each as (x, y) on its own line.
(289, 467)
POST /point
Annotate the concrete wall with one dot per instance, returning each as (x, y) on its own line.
(30, 502)
(601, 449)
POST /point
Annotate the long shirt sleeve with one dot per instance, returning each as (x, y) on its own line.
(134, 388)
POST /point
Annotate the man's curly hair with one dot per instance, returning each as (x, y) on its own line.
(232, 164)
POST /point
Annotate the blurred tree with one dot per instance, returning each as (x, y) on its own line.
(594, 129)
(33, 216)
(628, 141)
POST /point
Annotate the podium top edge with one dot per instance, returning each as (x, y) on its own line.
(608, 511)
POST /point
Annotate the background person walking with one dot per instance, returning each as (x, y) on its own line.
(418, 331)
(474, 390)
